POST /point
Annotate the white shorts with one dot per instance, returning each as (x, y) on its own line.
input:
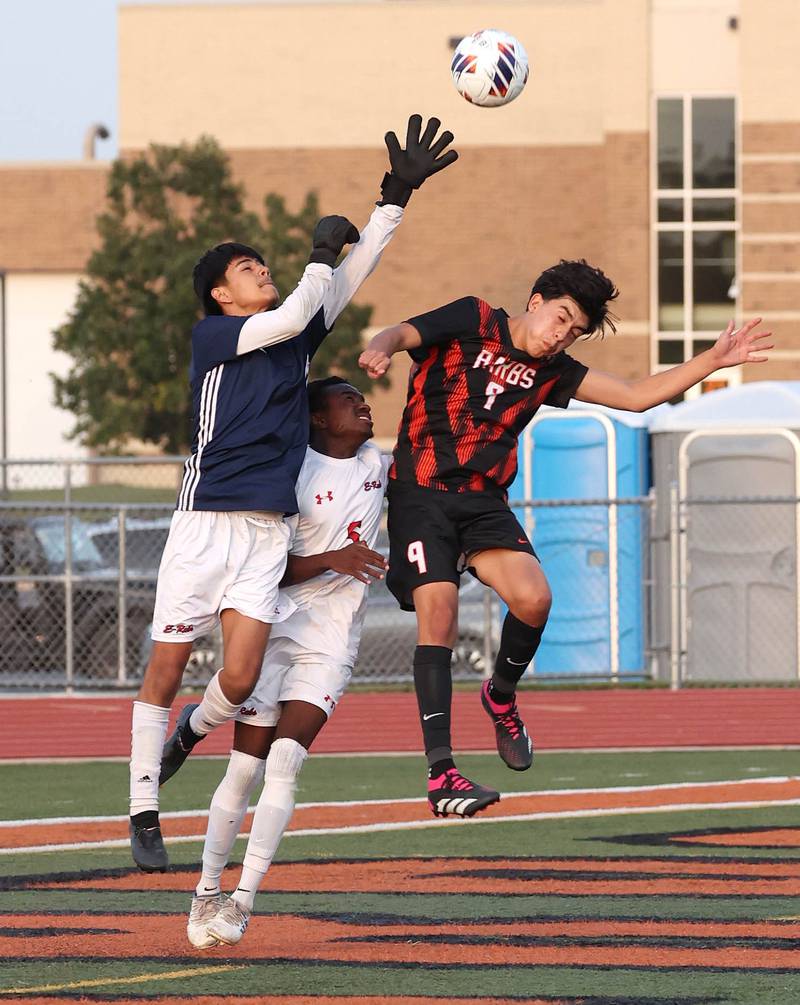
(213, 561)
(285, 676)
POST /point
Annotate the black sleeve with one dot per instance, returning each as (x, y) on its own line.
(316, 332)
(569, 380)
(444, 324)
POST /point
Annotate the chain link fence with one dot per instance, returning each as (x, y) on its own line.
(700, 590)
(728, 607)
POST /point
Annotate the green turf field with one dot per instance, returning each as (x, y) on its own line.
(624, 908)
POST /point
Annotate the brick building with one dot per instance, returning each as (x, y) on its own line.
(659, 139)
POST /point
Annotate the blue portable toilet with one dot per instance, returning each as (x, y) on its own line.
(593, 555)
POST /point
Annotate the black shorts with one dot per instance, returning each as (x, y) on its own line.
(432, 532)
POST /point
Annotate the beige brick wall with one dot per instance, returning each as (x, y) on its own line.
(624, 356)
(771, 256)
(784, 369)
(626, 252)
(47, 215)
(275, 75)
(770, 217)
(770, 137)
(770, 295)
(487, 227)
(771, 211)
(768, 69)
(771, 177)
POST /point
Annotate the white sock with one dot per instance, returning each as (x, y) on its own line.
(213, 710)
(228, 807)
(273, 813)
(148, 733)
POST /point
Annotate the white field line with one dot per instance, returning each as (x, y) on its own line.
(433, 822)
(420, 824)
(93, 759)
(178, 814)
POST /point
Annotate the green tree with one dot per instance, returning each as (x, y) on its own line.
(128, 332)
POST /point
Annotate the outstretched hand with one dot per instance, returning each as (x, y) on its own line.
(424, 155)
(735, 347)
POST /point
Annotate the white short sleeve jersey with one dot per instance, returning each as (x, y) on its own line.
(340, 500)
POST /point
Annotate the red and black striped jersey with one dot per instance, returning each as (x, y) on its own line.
(470, 398)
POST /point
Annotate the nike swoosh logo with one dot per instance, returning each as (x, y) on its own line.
(514, 663)
(431, 716)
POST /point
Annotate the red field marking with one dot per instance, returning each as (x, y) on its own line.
(289, 937)
(100, 727)
(369, 813)
(582, 877)
(777, 838)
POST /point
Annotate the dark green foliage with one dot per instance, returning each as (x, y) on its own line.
(128, 333)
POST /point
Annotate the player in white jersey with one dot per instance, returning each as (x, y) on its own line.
(228, 541)
(309, 657)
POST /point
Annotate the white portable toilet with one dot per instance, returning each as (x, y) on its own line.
(726, 598)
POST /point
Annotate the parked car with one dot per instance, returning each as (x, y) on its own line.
(33, 601)
(145, 538)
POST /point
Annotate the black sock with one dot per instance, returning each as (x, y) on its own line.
(518, 645)
(498, 696)
(147, 818)
(440, 767)
(434, 686)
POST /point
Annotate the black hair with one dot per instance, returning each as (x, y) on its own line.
(210, 270)
(589, 287)
(317, 390)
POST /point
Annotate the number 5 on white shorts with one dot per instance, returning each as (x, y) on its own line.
(416, 554)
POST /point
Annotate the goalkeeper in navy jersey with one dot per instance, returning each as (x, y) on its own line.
(228, 542)
(480, 376)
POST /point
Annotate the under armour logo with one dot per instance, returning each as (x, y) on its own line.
(328, 495)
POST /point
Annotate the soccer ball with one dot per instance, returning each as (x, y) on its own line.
(489, 68)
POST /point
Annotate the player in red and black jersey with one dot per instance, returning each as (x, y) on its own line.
(480, 376)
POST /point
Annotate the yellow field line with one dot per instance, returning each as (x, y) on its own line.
(142, 979)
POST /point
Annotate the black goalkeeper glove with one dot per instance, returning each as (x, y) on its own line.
(331, 234)
(420, 159)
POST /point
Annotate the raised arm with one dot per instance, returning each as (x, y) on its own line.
(732, 348)
(287, 321)
(424, 155)
(361, 260)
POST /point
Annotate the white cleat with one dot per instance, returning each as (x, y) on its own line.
(230, 923)
(204, 909)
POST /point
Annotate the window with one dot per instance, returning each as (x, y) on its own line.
(695, 224)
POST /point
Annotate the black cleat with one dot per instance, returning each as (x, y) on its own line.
(147, 848)
(179, 745)
(451, 794)
(513, 743)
